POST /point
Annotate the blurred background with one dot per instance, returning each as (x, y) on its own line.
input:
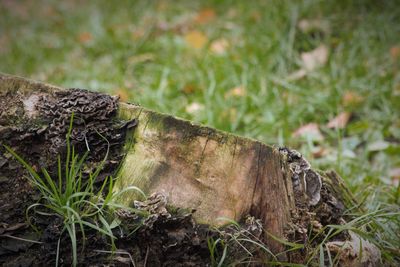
(322, 77)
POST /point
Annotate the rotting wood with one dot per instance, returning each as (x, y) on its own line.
(220, 175)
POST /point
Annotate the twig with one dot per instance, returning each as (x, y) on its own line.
(145, 258)
(22, 239)
(117, 252)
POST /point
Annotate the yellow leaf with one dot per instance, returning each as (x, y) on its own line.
(196, 39)
(123, 94)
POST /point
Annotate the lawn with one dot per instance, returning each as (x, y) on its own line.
(322, 77)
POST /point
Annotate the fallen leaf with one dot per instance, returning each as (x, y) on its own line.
(238, 91)
(319, 152)
(340, 121)
(298, 74)
(219, 46)
(310, 61)
(85, 37)
(315, 58)
(310, 130)
(395, 52)
(189, 89)
(123, 94)
(355, 251)
(194, 108)
(395, 175)
(205, 15)
(196, 39)
(351, 98)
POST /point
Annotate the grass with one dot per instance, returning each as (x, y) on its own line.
(140, 50)
(76, 200)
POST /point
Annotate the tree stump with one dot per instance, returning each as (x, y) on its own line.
(217, 174)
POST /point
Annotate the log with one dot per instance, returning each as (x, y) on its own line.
(217, 174)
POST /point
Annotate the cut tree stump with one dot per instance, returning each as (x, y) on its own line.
(217, 174)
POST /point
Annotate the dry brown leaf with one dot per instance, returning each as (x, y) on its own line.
(319, 152)
(310, 61)
(219, 46)
(395, 52)
(355, 251)
(189, 88)
(351, 98)
(85, 37)
(205, 15)
(238, 91)
(310, 130)
(196, 39)
(315, 58)
(340, 121)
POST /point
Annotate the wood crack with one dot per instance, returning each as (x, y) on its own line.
(258, 174)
